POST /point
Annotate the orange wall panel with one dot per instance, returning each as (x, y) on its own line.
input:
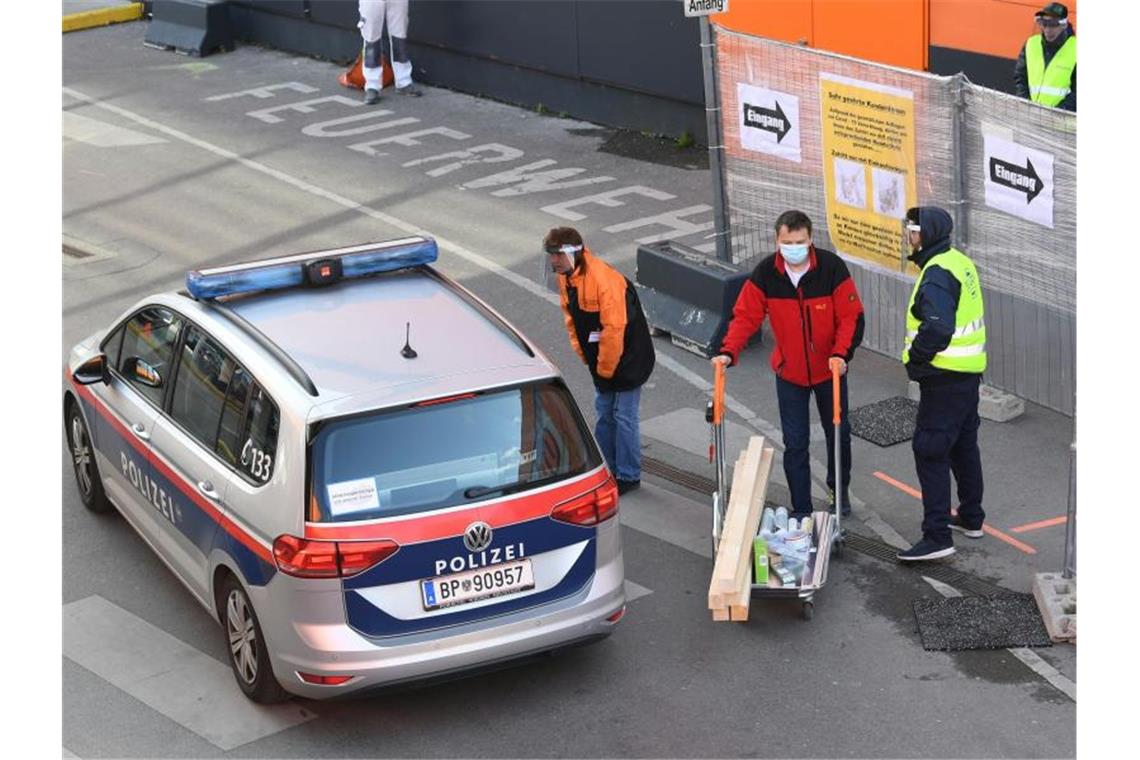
(887, 31)
(992, 27)
(786, 20)
(896, 32)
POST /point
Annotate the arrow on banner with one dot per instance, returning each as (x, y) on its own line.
(767, 119)
(1021, 178)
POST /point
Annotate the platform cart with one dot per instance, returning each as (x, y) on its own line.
(827, 530)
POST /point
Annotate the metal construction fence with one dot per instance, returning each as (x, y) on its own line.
(853, 144)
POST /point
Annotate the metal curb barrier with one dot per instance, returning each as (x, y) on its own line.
(102, 17)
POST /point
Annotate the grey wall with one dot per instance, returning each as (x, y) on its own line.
(626, 63)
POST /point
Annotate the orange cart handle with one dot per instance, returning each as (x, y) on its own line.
(718, 392)
(835, 411)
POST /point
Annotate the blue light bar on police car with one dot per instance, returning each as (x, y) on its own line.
(308, 268)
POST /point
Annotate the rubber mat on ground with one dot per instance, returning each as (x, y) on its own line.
(885, 422)
(979, 622)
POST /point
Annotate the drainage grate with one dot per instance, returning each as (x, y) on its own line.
(75, 253)
(698, 483)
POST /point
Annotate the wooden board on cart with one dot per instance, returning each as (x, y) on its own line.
(731, 583)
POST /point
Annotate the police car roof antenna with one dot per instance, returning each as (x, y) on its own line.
(407, 351)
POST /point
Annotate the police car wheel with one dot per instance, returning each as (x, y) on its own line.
(83, 460)
(246, 646)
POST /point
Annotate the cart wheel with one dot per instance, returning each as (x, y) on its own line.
(808, 610)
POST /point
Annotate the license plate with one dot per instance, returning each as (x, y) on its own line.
(473, 585)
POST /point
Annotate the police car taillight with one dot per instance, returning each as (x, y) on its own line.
(597, 506)
(304, 558)
(313, 269)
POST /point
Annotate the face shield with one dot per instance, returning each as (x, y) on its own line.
(1051, 27)
(556, 260)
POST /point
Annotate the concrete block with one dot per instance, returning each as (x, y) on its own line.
(1057, 600)
(999, 406)
(993, 404)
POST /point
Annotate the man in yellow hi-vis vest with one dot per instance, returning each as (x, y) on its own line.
(1046, 70)
(945, 352)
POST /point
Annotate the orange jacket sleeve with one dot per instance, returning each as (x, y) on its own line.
(611, 308)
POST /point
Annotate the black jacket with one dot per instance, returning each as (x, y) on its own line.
(1021, 71)
(935, 303)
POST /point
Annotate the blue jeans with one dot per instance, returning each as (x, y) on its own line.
(795, 419)
(619, 431)
(945, 442)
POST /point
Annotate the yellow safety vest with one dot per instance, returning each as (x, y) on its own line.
(967, 349)
(1049, 85)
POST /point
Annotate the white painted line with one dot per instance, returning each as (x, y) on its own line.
(1027, 656)
(68, 753)
(192, 689)
(635, 591)
(100, 134)
(767, 429)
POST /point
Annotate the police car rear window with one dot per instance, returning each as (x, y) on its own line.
(462, 451)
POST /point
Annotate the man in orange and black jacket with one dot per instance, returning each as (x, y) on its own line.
(607, 329)
(817, 321)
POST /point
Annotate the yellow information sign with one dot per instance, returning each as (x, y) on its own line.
(868, 166)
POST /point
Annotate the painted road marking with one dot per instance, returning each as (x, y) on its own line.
(1019, 545)
(192, 689)
(84, 129)
(635, 591)
(1039, 525)
(1027, 656)
(767, 429)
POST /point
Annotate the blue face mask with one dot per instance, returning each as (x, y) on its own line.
(794, 254)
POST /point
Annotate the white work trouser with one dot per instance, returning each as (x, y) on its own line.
(372, 15)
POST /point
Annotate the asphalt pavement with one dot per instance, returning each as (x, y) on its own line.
(173, 163)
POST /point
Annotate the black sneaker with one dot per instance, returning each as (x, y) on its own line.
(628, 485)
(411, 91)
(371, 97)
(926, 550)
(957, 524)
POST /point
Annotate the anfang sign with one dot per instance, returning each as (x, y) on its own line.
(694, 8)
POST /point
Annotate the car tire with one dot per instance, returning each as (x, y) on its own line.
(245, 645)
(87, 478)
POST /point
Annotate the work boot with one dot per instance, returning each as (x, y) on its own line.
(411, 91)
(628, 485)
(926, 549)
(957, 524)
(371, 97)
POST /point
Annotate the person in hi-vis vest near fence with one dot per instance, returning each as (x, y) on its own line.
(1046, 70)
(372, 16)
(944, 350)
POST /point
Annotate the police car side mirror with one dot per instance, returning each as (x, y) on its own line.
(94, 370)
(138, 371)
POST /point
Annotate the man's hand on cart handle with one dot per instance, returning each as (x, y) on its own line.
(837, 361)
(724, 359)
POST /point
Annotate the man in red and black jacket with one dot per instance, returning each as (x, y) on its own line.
(817, 321)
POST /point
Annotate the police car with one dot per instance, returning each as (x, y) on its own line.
(362, 470)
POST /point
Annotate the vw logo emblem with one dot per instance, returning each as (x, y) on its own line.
(477, 537)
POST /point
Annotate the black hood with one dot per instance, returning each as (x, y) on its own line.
(936, 227)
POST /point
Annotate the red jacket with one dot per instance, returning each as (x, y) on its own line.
(821, 318)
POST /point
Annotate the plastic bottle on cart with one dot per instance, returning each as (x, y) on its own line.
(768, 521)
(781, 518)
